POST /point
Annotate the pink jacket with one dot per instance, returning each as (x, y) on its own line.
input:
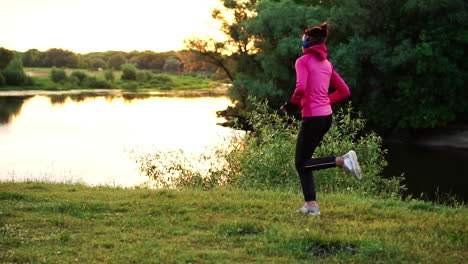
(314, 75)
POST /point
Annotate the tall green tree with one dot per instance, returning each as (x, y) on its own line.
(14, 73)
(270, 44)
(404, 60)
(6, 56)
(33, 58)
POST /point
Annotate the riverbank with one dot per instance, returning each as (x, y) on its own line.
(82, 79)
(220, 90)
(74, 223)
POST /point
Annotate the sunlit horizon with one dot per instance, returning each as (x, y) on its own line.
(85, 26)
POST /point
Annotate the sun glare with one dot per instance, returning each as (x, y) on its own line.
(87, 25)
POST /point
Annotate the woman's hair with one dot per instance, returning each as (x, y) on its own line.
(317, 34)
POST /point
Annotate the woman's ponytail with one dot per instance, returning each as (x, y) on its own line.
(317, 34)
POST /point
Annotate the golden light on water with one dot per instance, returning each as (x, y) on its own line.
(91, 140)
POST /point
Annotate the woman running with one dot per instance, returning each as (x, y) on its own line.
(314, 75)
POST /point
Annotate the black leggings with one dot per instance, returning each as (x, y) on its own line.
(312, 131)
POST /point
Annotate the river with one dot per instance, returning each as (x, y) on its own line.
(91, 138)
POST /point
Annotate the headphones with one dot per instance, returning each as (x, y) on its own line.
(305, 42)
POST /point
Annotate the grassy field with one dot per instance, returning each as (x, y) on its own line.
(45, 72)
(46, 223)
(42, 81)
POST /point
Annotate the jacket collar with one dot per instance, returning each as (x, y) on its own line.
(319, 50)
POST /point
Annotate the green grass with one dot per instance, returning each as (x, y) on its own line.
(39, 84)
(45, 72)
(46, 223)
(42, 81)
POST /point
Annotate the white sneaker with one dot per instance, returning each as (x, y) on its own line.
(309, 209)
(351, 164)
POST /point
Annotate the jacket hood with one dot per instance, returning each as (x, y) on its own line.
(319, 50)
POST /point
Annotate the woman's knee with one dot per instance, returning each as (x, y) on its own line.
(299, 165)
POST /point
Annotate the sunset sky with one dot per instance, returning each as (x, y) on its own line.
(99, 25)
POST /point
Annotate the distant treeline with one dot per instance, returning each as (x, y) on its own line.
(165, 61)
(12, 62)
(170, 61)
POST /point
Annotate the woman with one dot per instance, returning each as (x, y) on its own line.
(314, 75)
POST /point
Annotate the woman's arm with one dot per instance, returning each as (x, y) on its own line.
(342, 90)
(301, 82)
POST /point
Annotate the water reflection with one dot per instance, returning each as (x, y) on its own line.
(10, 106)
(88, 138)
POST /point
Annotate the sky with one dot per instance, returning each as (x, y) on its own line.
(85, 26)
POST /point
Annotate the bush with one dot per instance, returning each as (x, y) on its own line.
(161, 79)
(58, 75)
(93, 82)
(109, 75)
(14, 73)
(130, 86)
(29, 81)
(79, 75)
(143, 76)
(129, 72)
(266, 157)
(162, 82)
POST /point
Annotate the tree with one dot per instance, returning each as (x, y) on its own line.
(5, 57)
(239, 43)
(14, 73)
(60, 58)
(33, 58)
(172, 64)
(116, 60)
(405, 71)
(150, 60)
(96, 62)
(191, 64)
(266, 36)
(211, 53)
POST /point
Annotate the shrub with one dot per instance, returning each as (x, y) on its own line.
(14, 73)
(79, 75)
(163, 82)
(29, 81)
(58, 75)
(130, 86)
(109, 75)
(128, 72)
(143, 76)
(161, 79)
(266, 156)
(93, 82)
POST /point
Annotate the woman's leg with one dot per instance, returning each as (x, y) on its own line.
(311, 133)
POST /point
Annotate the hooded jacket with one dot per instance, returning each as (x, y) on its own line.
(314, 75)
